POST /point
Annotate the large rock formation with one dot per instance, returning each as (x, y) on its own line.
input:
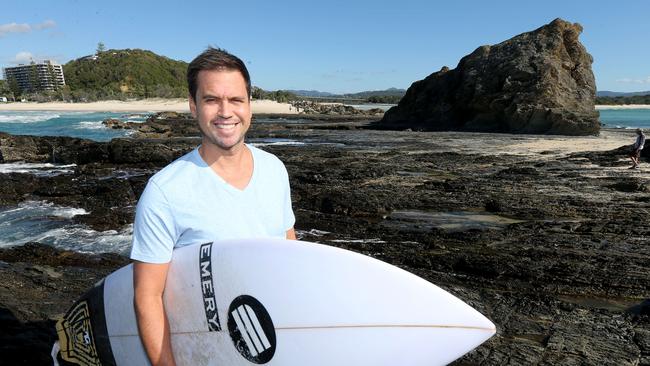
(536, 82)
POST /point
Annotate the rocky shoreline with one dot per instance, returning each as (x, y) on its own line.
(550, 245)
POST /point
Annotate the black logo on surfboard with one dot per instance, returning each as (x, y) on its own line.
(76, 336)
(207, 287)
(251, 329)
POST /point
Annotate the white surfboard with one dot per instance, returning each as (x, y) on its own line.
(278, 302)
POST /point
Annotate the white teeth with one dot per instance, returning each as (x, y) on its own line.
(226, 127)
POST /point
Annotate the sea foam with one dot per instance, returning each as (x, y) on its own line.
(27, 117)
(51, 224)
(38, 169)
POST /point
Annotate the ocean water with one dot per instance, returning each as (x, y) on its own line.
(625, 118)
(86, 125)
(51, 224)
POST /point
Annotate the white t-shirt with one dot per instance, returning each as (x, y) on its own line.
(188, 203)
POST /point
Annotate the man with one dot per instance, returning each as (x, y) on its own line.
(635, 155)
(223, 189)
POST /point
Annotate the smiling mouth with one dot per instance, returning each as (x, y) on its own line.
(225, 126)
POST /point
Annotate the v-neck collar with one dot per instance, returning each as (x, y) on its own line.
(220, 179)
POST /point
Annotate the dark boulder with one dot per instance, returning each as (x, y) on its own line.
(115, 124)
(157, 152)
(50, 149)
(536, 82)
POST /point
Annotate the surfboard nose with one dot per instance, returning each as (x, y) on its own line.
(484, 327)
(481, 322)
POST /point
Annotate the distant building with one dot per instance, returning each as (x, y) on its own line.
(45, 76)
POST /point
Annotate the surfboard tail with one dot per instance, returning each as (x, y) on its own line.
(83, 339)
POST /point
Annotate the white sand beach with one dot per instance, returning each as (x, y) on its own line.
(626, 106)
(144, 105)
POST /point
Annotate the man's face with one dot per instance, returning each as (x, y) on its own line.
(222, 108)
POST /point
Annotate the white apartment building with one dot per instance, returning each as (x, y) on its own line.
(36, 76)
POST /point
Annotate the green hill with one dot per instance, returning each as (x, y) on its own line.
(130, 73)
(622, 100)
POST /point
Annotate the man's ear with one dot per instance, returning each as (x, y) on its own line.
(192, 106)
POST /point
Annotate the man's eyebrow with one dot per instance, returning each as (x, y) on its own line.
(236, 97)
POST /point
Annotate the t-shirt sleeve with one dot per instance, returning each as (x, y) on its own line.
(154, 232)
(289, 218)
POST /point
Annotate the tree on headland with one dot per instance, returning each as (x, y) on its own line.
(636, 99)
(281, 96)
(13, 86)
(4, 89)
(125, 74)
(34, 81)
(386, 99)
(100, 48)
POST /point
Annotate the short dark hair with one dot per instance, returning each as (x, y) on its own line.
(215, 59)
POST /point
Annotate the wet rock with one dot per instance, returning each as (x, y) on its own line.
(536, 82)
(559, 286)
(36, 253)
(168, 115)
(493, 205)
(519, 171)
(39, 283)
(124, 151)
(25, 343)
(314, 108)
(61, 150)
(631, 185)
(115, 124)
(641, 309)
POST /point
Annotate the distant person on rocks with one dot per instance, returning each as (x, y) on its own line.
(223, 189)
(636, 148)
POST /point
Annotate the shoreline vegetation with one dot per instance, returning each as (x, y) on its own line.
(624, 100)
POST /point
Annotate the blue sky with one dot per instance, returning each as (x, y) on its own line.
(336, 46)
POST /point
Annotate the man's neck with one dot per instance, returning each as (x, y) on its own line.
(224, 159)
(234, 166)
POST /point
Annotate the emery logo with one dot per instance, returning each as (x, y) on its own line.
(207, 287)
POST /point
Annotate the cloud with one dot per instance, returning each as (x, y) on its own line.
(9, 28)
(45, 25)
(25, 57)
(14, 28)
(634, 81)
(22, 58)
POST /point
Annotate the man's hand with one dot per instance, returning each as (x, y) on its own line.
(148, 286)
(291, 234)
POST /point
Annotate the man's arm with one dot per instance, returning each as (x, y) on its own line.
(291, 234)
(148, 286)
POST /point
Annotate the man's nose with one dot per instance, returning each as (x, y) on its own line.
(225, 110)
